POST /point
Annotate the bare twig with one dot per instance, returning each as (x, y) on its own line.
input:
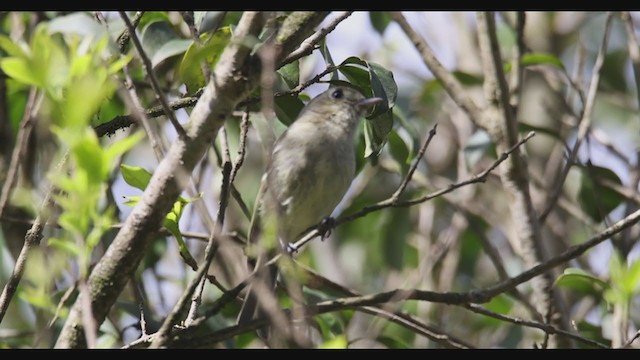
(234, 78)
(389, 202)
(414, 166)
(242, 146)
(357, 302)
(584, 122)
(496, 260)
(123, 121)
(449, 83)
(31, 240)
(634, 49)
(26, 126)
(317, 281)
(630, 341)
(162, 337)
(152, 76)
(517, 70)
(123, 39)
(549, 329)
(310, 44)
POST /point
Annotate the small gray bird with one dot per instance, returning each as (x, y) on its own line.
(310, 169)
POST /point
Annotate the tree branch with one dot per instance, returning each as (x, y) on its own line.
(584, 123)
(234, 77)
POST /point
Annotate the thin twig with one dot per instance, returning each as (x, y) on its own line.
(139, 296)
(26, 126)
(584, 122)
(630, 341)
(131, 97)
(549, 329)
(480, 177)
(317, 281)
(307, 46)
(414, 166)
(152, 76)
(162, 339)
(123, 121)
(123, 39)
(242, 146)
(448, 81)
(356, 302)
(634, 49)
(31, 240)
(496, 260)
(517, 69)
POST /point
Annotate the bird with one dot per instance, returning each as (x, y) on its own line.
(311, 167)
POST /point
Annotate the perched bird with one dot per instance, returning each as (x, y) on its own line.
(310, 169)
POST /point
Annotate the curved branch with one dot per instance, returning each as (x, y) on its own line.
(235, 76)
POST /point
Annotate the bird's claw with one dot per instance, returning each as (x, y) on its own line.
(326, 226)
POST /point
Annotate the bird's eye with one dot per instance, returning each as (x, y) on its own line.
(337, 94)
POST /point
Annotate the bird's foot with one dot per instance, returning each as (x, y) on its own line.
(326, 226)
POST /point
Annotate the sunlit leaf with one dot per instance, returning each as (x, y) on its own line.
(135, 176)
(338, 342)
(190, 69)
(580, 281)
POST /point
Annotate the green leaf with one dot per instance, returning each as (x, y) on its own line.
(595, 199)
(396, 227)
(171, 224)
(190, 70)
(612, 75)
(88, 156)
(78, 23)
(540, 59)
(384, 86)
(21, 70)
(326, 55)
(205, 21)
(120, 147)
(329, 325)
(169, 49)
(581, 281)
(468, 79)
(155, 35)
(135, 176)
(287, 108)
(338, 342)
(11, 48)
(399, 150)
(65, 245)
(290, 75)
(379, 20)
(393, 342)
(152, 16)
(376, 132)
(500, 304)
(356, 75)
(132, 200)
(373, 80)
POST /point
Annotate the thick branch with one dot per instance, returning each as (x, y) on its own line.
(235, 76)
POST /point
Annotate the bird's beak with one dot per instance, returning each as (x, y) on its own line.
(368, 103)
